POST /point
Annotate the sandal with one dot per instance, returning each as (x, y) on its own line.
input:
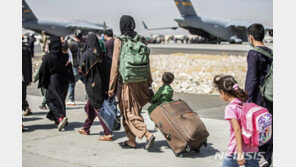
(124, 145)
(43, 107)
(106, 138)
(82, 131)
(150, 143)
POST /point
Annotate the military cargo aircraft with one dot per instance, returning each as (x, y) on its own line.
(30, 21)
(210, 29)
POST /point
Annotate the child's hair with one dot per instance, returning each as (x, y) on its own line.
(257, 31)
(229, 85)
(167, 78)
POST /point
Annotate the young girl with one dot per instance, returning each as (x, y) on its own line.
(164, 94)
(238, 153)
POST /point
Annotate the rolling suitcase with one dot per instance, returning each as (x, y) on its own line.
(181, 127)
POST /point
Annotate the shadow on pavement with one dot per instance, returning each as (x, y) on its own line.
(73, 125)
(31, 128)
(44, 112)
(204, 152)
(26, 119)
(118, 135)
(73, 108)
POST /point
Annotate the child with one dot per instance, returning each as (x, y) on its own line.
(259, 62)
(164, 93)
(230, 91)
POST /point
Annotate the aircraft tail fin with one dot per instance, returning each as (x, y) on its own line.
(185, 8)
(27, 12)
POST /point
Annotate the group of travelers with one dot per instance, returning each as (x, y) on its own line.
(99, 66)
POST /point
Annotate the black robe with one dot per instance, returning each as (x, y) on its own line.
(31, 41)
(96, 68)
(54, 76)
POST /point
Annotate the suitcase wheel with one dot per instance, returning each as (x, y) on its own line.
(179, 155)
(188, 149)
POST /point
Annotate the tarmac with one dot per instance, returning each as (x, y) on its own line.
(201, 48)
(44, 145)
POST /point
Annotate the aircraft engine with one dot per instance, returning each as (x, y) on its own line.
(270, 32)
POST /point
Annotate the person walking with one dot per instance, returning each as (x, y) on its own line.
(76, 44)
(109, 43)
(26, 77)
(44, 41)
(54, 77)
(31, 42)
(238, 153)
(133, 95)
(96, 68)
(259, 64)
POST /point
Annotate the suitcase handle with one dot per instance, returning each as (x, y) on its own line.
(167, 136)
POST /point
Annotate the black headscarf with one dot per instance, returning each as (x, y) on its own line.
(55, 45)
(53, 62)
(92, 44)
(127, 26)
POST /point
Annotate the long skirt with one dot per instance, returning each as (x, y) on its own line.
(56, 96)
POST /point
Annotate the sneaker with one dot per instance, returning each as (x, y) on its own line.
(70, 103)
(263, 162)
(63, 121)
(27, 112)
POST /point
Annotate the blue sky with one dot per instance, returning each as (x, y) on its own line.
(156, 13)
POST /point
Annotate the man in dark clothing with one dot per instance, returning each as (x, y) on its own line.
(26, 76)
(258, 66)
(76, 47)
(31, 41)
(109, 43)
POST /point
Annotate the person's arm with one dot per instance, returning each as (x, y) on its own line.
(70, 55)
(114, 68)
(252, 75)
(238, 138)
(81, 66)
(157, 95)
(30, 67)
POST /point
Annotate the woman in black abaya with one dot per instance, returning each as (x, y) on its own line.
(54, 77)
(96, 68)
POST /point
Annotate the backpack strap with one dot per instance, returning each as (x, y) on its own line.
(122, 38)
(263, 52)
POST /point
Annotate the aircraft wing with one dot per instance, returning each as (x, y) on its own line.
(161, 28)
(243, 25)
(238, 24)
(85, 25)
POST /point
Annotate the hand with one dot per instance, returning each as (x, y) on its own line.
(67, 63)
(29, 84)
(80, 71)
(240, 159)
(110, 94)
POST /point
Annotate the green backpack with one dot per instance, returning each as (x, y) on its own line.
(134, 59)
(266, 88)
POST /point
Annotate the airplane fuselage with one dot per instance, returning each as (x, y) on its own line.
(52, 28)
(208, 28)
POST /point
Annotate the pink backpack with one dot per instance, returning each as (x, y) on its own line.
(256, 123)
